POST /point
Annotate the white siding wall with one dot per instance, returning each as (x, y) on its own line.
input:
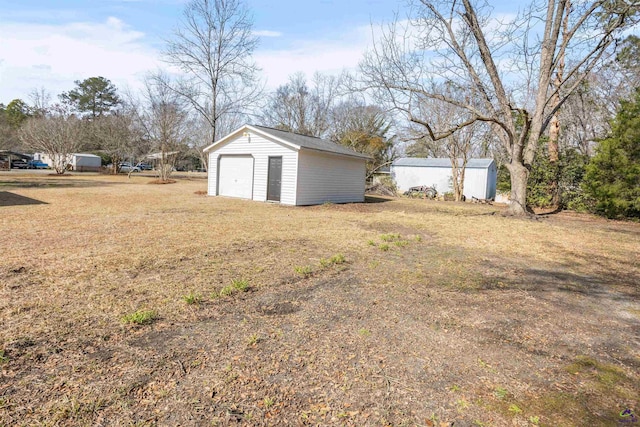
(90, 161)
(475, 180)
(413, 176)
(329, 178)
(475, 183)
(86, 163)
(260, 148)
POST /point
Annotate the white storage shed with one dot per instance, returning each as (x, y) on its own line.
(85, 162)
(79, 162)
(479, 178)
(265, 164)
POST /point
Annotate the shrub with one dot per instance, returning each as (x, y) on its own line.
(613, 175)
(551, 183)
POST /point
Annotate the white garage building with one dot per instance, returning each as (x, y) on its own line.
(265, 164)
(479, 178)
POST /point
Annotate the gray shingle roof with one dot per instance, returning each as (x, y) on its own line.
(311, 142)
(440, 162)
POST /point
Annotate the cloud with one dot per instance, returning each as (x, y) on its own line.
(267, 33)
(330, 56)
(53, 56)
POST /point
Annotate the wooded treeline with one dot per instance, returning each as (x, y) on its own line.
(552, 93)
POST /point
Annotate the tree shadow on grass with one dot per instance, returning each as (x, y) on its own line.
(10, 199)
(51, 183)
(374, 199)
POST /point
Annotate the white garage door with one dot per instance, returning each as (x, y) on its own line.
(236, 176)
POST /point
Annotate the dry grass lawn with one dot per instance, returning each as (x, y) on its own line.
(125, 303)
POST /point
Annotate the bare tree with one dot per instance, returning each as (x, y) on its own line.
(40, 99)
(585, 118)
(505, 78)
(58, 135)
(296, 107)
(163, 116)
(213, 47)
(458, 147)
(366, 129)
(115, 134)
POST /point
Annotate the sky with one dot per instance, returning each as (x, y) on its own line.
(50, 44)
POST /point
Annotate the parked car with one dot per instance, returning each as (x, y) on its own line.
(19, 164)
(144, 166)
(126, 168)
(37, 164)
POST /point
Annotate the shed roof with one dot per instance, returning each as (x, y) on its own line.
(440, 162)
(296, 140)
(86, 155)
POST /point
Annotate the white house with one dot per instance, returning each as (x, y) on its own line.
(479, 178)
(265, 164)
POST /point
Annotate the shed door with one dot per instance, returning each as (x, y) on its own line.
(275, 179)
(235, 176)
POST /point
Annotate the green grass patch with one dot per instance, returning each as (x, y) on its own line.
(606, 375)
(303, 270)
(515, 409)
(237, 285)
(140, 317)
(334, 260)
(227, 291)
(268, 402)
(192, 298)
(240, 285)
(500, 392)
(390, 237)
(364, 333)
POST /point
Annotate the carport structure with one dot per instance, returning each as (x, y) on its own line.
(6, 156)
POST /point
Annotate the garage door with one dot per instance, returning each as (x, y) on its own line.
(236, 176)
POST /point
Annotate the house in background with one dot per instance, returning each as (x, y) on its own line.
(79, 162)
(265, 164)
(479, 179)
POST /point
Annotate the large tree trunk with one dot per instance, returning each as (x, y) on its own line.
(518, 198)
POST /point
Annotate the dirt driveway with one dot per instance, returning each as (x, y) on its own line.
(393, 312)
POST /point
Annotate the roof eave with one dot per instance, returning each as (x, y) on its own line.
(355, 155)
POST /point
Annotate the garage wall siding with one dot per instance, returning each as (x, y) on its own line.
(260, 148)
(323, 178)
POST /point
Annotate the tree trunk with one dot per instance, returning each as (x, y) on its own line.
(554, 125)
(518, 199)
(554, 134)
